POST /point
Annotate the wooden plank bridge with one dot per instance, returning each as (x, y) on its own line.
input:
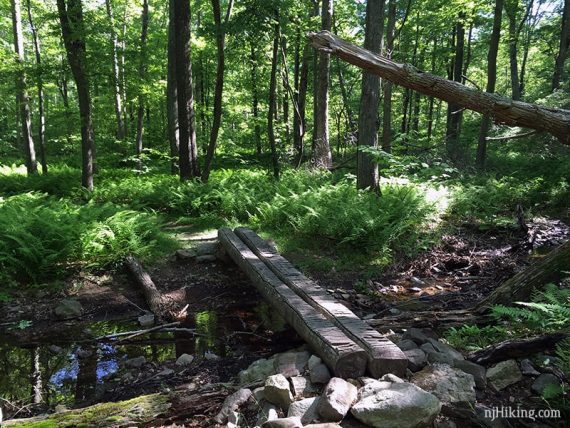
(347, 344)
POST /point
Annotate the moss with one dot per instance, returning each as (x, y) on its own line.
(136, 411)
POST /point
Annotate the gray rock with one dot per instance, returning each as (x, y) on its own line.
(446, 349)
(68, 308)
(165, 373)
(454, 388)
(277, 391)
(259, 394)
(303, 387)
(206, 249)
(84, 353)
(336, 400)
(527, 369)
(210, 356)
(54, 349)
(544, 381)
(407, 344)
(427, 347)
(417, 359)
(420, 336)
(268, 412)
(305, 409)
(235, 419)
(186, 254)
(478, 372)
(485, 418)
(291, 363)
(313, 361)
(135, 363)
(391, 378)
(146, 320)
(504, 374)
(258, 370)
(232, 403)
(209, 258)
(446, 423)
(394, 311)
(417, 282)
(293, 422)
(439, 358)
(320, 374)
(323, 425)
(184, 360)
(395, 405)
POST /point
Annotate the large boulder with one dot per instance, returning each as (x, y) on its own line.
(303, 387)
(417, 359)
(504, 374)
(320, 373)
(305, 409)
(232, 403)
(68, 308)
(291, 363)
(336, 400)
(543, 382)
(258, 370)
(277, 391)
(478, 372)
(395, 405)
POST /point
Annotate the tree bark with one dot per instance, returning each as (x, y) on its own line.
(72, 28)
(188, 162)
(22, 92)
(171, 93)
(255, 100)
(273, 99)
(455, 112)
(491, 81)
(116, 73)
(387, 90)
(503, 110)
(300, 97)
(322, 156)
(41, 108)
(366, 167)
(563, 48)
(152, 295)
(142, 74)
(220, 46)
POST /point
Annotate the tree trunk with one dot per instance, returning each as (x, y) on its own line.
(116, 74)
(255, 100)
(142, 74)
(491, 81)
(387, 91)
(511, 7)
(41, 108)
(152, 295)
(455, 112)
(366, 167)
(171, 93)
(72, 28)
(301, 81)
(503, 110)
(322, 156)
(186, 115)
(220, 46)
(563, 49)
(431, 99)
(36, 372)
(273, 100)
(22, 92)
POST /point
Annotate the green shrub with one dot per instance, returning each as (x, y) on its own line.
(473, 338)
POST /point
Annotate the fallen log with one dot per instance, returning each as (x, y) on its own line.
(341, 354)
(383, 355)
(503, 110)
(429, 319)
(515, 349)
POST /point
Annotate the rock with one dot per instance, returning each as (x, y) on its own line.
(454, 388)
(291, 363)
(259, 394)
(414, 289)
(184, 360)
(407, 344)
(420, 336)
(446, 349)
(503, 374)
(417, 359)
(323, 425)
(84, 353)
(68, 308)
(544, 381)
(277, 391)
(336, 400)
(136, 362)
(303, 387)
(313, 361)
(185, 254)
(320, 374)
(446, 423)
(417, 282)
(232, 403)
(206, 248)
(268, 412)
(485, 417)
(209, 258)
(391, 378)
(528, 369)
(293, 422)
(165, 373)
(427, 347)
(394, 311)
(258, 370)
(395, 405)
(210, 356)
(439, 358)
(146, 320)
(478, 372)
(235, 420)
(54, 349)
(305, 409)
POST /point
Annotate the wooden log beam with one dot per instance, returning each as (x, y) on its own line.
(341, 354)
(503, 110)
(383, 355)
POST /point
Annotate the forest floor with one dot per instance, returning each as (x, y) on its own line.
(232, 326)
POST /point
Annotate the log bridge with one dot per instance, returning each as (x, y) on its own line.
(347, 344)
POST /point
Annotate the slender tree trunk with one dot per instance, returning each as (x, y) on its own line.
(255, 99)
(300, 78)
(22, 97)
(491, 81)
(36, 377)
(122, 73)
(286, 88)
(171, 93)
(220, 46)
(322, 156)
(116, 73)
(41, 108)
(273, 99)
(511, 9)
(387, 104)
(431, 99)
(563, 49)
(189, 167)
(315, 66)
(367, 168)
(142, 74)
(455, 112)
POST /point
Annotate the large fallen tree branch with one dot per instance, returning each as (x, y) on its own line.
(503, 110)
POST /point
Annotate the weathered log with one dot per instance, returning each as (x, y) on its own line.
(503, 110)
(516, 349)
(151, 293)
(429, 319)
(536, 276)
(383, 356)
(340, 353)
